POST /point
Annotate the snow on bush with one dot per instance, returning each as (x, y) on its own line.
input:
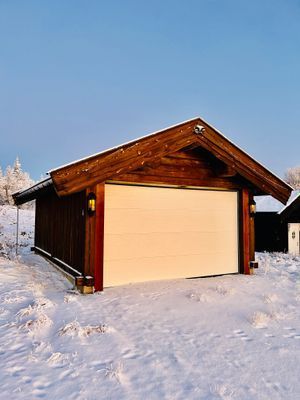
(260, 320)
(40, 303)
(58, 359)
(222, 391)
(114, 371)
(75, 329)
(34, 325)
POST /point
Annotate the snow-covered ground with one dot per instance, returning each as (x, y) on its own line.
(230, 337)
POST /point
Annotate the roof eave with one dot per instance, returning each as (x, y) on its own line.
(32, 192)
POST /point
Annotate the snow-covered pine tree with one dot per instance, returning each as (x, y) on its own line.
(8, 185)
(2, 193)
(14, 180)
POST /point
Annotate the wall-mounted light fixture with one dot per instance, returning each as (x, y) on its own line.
(91, 203)
(199, 130)
(252, 208)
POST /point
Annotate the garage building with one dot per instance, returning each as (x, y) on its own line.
(177, 203)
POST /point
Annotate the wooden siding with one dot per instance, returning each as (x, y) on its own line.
(245, 234)
(94, 237)
(60, 227)
(188, 167)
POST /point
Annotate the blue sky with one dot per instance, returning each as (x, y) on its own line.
(77, 77)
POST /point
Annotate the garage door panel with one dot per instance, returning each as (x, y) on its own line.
(156, 244)
(144, 221)
(152, 269)
(162, 201)
(162, 233)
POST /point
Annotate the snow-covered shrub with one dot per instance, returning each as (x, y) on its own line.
(114, 371)
(75, 329)
(260, 320)
(292, 176)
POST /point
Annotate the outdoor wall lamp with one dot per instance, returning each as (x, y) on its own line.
(252, 207)
(199, 129)
(91, 203)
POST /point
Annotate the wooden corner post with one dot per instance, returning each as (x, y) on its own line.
(252, 231)
(245, 247)
(99, 236)
(94, 235)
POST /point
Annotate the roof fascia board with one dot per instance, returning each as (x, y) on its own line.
(133, 155)
(120, 146)
(245, 165)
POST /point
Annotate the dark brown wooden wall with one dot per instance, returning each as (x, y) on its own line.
(60, 227)
(271, 233)
(190, 167)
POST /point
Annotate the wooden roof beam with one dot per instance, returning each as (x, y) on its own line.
(236, 159)
(77, 176)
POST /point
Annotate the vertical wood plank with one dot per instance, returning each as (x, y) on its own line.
(99, 236)
(252, 233)
(245, 232)
(60, 226)
(90, 222)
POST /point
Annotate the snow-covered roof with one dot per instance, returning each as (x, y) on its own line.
(295, 194)
(269, 204)
(23, 196)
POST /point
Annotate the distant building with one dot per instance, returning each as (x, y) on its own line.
(277, 227)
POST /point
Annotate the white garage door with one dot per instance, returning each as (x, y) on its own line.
(153, 233)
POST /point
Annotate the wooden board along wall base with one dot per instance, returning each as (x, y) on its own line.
(153, 233)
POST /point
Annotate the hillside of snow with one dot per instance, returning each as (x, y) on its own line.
(228, 337)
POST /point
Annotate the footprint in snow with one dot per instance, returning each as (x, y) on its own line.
(26, 379)
(270, 298)
(238, 333)
(39, 393)
(65, 374)
(129, 354)
(41, 384)
(269, 335)
(214, 335)
(15, 371)
(276, 386)
(291, 333)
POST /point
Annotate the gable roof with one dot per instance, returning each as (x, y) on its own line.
(114, 162)
(269, 204)
(111, 163)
